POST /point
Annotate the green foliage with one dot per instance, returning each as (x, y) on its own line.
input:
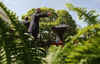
(15, 46)
(91, 17)
(84, 47)
(82, 52)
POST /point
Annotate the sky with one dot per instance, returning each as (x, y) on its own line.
(22, 6)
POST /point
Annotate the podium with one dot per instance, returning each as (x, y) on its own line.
(59, 31)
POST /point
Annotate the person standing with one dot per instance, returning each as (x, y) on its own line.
(34, 24)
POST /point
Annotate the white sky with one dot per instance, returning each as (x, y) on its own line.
(21, 6)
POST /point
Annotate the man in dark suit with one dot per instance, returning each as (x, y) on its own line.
(34, 24)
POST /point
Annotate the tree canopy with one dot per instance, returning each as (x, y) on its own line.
(81, 46)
